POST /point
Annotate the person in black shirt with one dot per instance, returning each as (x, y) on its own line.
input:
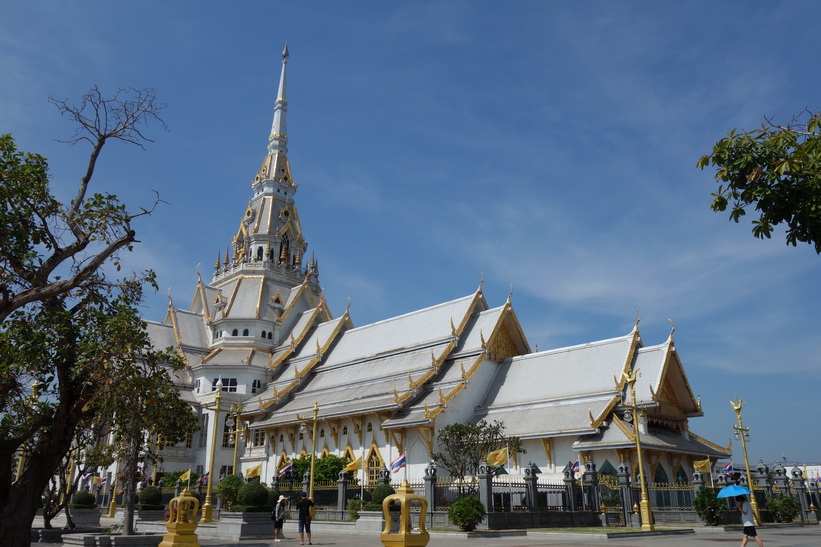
(304, 507)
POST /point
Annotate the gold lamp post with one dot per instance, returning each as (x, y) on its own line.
(644, 504)
(313, 452)
(207, 508)
(156, 461)
(236, 431)
(112, 507)
(742, 433)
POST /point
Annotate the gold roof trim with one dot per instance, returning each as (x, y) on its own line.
(620, 424)
(597, 420)
(635, 343)
(301, 373)
(399, 399)
(711, 444)
(431, 414)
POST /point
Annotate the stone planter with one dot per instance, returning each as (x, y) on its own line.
(237, 526)
(150, 514)
(102, 540)
(86, 518)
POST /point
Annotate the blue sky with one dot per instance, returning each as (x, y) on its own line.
(545, 146)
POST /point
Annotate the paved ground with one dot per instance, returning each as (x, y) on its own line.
(807, 536)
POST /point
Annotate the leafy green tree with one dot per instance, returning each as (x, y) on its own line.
(228, 490)
(65, 322)
(776, 170)
(708, 507)
(325, 469)
(784, 508)
(465, 447)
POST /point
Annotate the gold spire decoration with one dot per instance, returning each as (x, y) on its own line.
(217, 263)
(227, 250)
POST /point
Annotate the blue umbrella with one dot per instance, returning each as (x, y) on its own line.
(731, 491)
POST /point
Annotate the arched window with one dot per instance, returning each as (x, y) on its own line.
(235, 332)
(321, 433)
(660, 475)
(263, 334)
(281, 437)
(245, 332)
(270, 335)
(370, 427)
(374, 467)
(259, 253)
(345, 430)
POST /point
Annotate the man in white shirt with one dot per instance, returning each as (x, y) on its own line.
(748, 520)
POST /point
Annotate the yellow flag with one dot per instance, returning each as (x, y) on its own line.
(185, 476)
(353, 466)
(254, 471)
(702, 466)
(497, 457)
(96, 480)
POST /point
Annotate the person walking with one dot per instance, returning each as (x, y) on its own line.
(279, 517)
(304, 507)
(748, 520)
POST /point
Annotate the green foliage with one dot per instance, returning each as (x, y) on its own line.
(325, 469)
(466, 513)
(709, 508)
(380, 493)
(777, 170)
(67, 324)
(465, 446)
(354, 507)
(169, 480)
(83, 500)
(784, 508)
(150, 495)
(252, 494)
(228, 490)
(273, 496)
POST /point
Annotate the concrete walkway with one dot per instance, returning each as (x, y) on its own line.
(797, 536)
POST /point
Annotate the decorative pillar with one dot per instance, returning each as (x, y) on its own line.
(570, 486)
(182, 521)
(342, 491)
(384, 476)
(430, 485)
(626, 494)
(306, 481)
(531, 476)
(485, 476)
(591, 482)
(177, 488)
(780, 478)
(798, 484)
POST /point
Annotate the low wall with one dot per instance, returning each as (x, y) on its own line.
(540, 519)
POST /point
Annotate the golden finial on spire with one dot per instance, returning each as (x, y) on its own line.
(673, 327)
(227, 251)
(638, 319)
(348, 307)
(217, 263)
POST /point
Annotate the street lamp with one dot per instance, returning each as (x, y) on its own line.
(234, 424)
(743, 433)
(644, 505)
(313, 452)
(207, 508)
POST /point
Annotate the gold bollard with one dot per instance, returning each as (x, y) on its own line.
(405, 537)
(182, 521)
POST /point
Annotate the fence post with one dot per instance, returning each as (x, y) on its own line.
(762, 479)
(591, 480)
(177, 488)
(780, 478)
(430, 486)
(531, 476)
(626, 494)
(570, 486)
(306, 481)
(342, 491)
(797, 480)
(384, 476)
(485, 477)
(275, 483)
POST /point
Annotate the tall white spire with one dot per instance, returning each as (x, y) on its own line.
(278, 141)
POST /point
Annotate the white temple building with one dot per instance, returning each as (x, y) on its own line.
(262, 327)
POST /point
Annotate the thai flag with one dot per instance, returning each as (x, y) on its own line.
(398, 463)
(285, 470)
(204, 480)
(104, 480)
(574, 467)
(728, 469)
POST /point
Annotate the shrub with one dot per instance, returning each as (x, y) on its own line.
(252, 494)
(273, 496)
(83, 500)
(709, 508)
(784, 508)
(227, 490)
(466, 513)
(380, 493)
(354, 507)
(151, 495)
